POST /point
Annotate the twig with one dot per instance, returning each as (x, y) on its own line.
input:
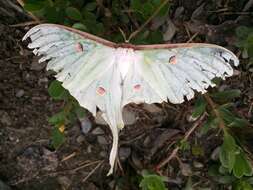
(216, 112)
(194, 35)
(133, 34)
(175, 151)
(68, 157)
(21, 2)
(92, 171)
(246, 8)
(26, 23)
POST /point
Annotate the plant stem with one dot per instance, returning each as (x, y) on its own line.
(215, 111)
(133, 34)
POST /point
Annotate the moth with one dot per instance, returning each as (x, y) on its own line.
(106, 75)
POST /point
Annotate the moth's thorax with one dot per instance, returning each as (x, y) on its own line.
(125, 57)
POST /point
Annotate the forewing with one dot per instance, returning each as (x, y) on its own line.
(87, 69)
(173, 74)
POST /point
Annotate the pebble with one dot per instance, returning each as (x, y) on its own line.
(85, 125)
(5, 118)
(186, 169)
(103, 154)
(198, 164)
(20, 93)
(102, 140)
(215, 154)
(98, 131)
(64, 181)
(80, 139)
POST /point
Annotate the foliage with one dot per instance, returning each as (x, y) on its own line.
(105, 20)
(245, 42)
(152, 181)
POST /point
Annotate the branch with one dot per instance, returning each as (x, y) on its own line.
(215, 111)
(175, 151)
(133, 34)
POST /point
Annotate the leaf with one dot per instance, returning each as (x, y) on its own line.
(242, 31)
(152, 182)
(242, 166)
(79, 26)
(226, 95)
(34, 5)
(91, 6)
(56, 90)
(73, 13)
(57, 119)
(242, 185)
(58, 137)
(227, 152)
(199, 107)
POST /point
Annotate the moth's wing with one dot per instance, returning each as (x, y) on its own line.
(171, 74)
(86, 69)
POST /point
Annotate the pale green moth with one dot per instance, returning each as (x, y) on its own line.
(105, 75)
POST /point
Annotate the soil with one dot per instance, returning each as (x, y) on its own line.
(27, 160)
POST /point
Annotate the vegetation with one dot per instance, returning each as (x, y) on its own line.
(107, 20)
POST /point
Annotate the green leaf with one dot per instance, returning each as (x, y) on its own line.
(211, 122)
(242, 166)
(58, 137)
(91, 6)
(199, 107)
(79, 26)
(74, 13)
(155, 37)
(242, 32)
(57, 119)
(227, 158)
(227, 153)
(56, 90)
(152, 182)
(80, 111)
(34, 5)
(227, 95)
(242, 185)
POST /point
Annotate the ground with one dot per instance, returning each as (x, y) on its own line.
(27, 161)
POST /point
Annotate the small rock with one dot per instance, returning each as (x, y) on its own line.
(152, 108)
(215, 154)
(179, 12)
(170, 31)
(85, 125)
(80, 139)
(20, 93)
(185, 169)
(36, 66)
(64, 181)
(102, 140)
(124, 153)
(98, 131)
(5, 118)
(198, 164)
(103, 154)
(128, 117)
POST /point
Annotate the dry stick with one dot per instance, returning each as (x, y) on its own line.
(92, 171)
(187, 135)
(148, 20)
(21, 2)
